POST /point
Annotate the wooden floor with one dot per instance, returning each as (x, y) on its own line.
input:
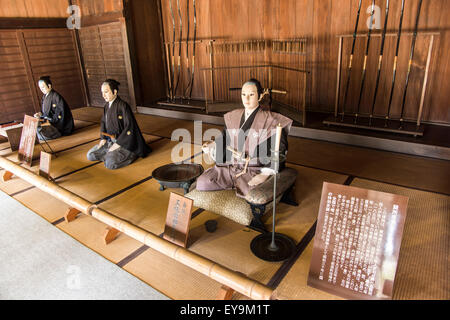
(133, 195)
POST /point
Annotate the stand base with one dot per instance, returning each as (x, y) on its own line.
(182, 103)
(392, 126)
(260, 247)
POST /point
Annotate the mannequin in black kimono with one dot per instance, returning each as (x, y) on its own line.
(57, 119)
(121, 139)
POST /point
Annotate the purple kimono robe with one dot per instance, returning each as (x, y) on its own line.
(254, 139)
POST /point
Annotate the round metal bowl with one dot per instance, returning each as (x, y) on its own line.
(177, 175)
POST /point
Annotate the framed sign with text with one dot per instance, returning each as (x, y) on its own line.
(44, 165)
(178, 219)
(13, 132)
(357, 242)
(28, 139)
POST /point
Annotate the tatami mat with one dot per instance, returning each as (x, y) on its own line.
(296, 221)
(294, 285)
(90, 232)
(80, 124)
(131, 194)
(89, 114)
(4, 143)
(422, 271)
(144, 206)
(165, 127)
(229, 245)
(172, 278)
(409, 171)
(64, 163)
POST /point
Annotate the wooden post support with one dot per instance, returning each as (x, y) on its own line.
(338, 80)
(425, 80)
(44, 165)
(225, 293)
(7, 176)
(211, 64)
(71, 214)
(110, 235)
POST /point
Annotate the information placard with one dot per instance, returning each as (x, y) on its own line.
(357, 242)
(44, 165)
(13, 132)
(28, 139)
(178, 219)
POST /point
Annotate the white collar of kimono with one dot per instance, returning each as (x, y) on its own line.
(248, 113)
(111, 102)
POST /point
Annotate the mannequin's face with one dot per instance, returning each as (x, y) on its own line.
(108, 95)
(250, 98)
(44, 88)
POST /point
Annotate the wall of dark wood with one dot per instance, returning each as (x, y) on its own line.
(103, 54)
(147, 50)
(320, 22)
(98, 7)
(33, 9)
(25, 56)
(15, 93)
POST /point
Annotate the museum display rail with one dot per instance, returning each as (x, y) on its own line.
(229, 278)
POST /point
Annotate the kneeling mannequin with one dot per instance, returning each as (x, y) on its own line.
(55, 113)
(121, 139)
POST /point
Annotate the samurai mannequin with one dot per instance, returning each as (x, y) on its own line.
(242, 154)
(57, 119)
(121, 139)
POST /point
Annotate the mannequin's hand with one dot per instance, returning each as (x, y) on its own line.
(209, 148)
(101, 143)
(115, 146)
(258, 179)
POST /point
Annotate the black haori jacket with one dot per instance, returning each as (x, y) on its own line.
(57, 111)
(119, 120)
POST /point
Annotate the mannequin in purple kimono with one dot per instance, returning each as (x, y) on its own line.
(242, 153)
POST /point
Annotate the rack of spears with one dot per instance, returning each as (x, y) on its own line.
(390, 117)
(280, 66)
(181, 76)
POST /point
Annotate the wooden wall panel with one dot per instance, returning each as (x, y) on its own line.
(34, 8)
(98, 7)
(148, 52)
(60, 64)
(25, 56)
(104, 57)
(320, 22)
(15, 95)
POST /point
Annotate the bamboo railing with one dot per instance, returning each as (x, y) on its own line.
(232, 279)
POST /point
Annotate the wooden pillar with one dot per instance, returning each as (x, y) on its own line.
(425, 81)
(26, 60)
(338, 80)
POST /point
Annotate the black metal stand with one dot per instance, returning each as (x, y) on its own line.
(273, 246)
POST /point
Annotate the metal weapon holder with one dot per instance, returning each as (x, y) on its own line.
(272, 246)
(381, 123)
